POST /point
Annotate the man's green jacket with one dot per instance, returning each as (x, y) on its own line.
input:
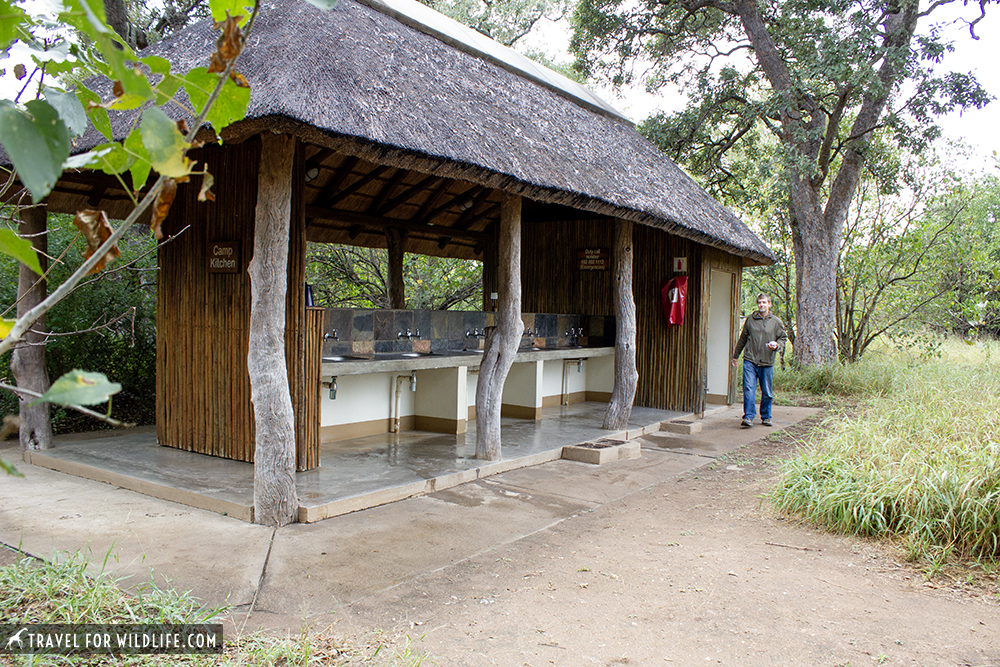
(757, 332)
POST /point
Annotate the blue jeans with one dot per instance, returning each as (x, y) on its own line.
(752, 373)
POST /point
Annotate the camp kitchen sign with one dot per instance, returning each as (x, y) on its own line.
(224, 257)
(593, 259)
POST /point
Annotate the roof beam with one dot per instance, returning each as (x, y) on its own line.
(339, 176)
(338, 197)
(462, 196)
(378, 223)
(386, 191)
(406, 195)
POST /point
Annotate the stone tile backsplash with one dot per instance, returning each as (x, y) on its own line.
(366, 332)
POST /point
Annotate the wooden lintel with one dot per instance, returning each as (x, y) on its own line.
(354, 231)
(374, 222)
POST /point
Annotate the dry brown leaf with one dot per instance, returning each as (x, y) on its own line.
(182, 127)
(162, 206)
(230, 43)
(207, 181)
(96, 229)
(239, 79)
(117, 89)
(216, 63)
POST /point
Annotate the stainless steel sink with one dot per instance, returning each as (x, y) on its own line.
(341, 357)
(402, 355)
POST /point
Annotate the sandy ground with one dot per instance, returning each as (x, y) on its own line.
(693, 571)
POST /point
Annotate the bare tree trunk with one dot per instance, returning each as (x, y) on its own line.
(396, 244)
(274, 497)
(501, 341)
(816, 244)
(28, 360)
(626, 375)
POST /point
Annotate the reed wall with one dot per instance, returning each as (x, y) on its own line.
(203, 386)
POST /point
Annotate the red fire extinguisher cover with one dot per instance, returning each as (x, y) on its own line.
(673, 293)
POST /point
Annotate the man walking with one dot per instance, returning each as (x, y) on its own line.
(763, 333)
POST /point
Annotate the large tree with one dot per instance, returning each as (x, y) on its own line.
(821, 75)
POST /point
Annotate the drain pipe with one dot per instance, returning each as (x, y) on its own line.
(564, 398)
(412, 377)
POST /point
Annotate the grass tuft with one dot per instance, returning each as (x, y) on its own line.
(63, 591)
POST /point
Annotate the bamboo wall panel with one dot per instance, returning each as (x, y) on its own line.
(551, 280)
(670, 359)
(203, 387)
(307, 453)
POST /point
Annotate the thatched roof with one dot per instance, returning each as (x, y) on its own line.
(367, 90)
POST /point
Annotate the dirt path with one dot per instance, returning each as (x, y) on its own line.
(693, 571)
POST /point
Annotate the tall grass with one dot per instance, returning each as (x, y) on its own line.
(918, 459)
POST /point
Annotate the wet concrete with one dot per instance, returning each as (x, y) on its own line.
(354, 474)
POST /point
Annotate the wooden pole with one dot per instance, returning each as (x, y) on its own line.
(395, 240)
(28, 359)
(502, 340)
(274, 498)
(626, 376)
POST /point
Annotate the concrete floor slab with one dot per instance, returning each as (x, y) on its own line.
(347, 558)
(48, 513)
(586, 483)
(354, 474)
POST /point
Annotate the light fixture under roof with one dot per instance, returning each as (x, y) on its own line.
(312, 174)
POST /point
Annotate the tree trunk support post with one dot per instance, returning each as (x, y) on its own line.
(395, 241)
(626, 375)
(28, 358)
(274, 496)
(502, 340)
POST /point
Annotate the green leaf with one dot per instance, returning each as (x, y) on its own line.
(141, 167)
(98, 115)
(231, 105)
(115, 159)
(10, 17)
(20, 249)
(37, 144)
(70, 110)
(164, 143)
(80, 388)
(157, 65)
(235, 7)
(9, 469)
(87, 160)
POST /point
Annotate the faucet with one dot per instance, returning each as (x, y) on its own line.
(529, 332)
(333, 335)
(574, 335)
(409, 334)
(474, 334)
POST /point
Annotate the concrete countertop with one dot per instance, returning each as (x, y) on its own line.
(393, 362)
